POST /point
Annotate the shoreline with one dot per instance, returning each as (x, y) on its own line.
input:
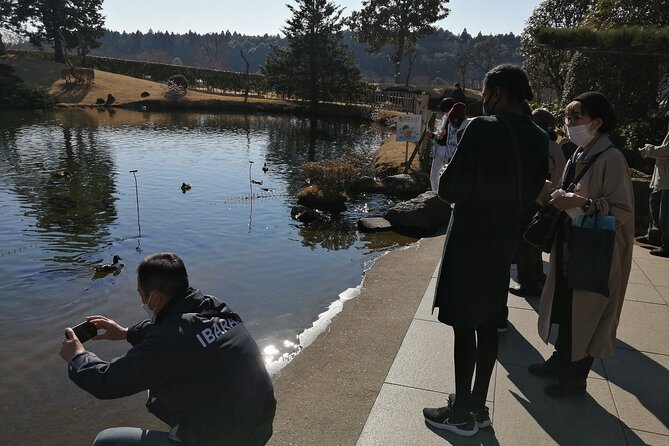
(326, 392)
(323, 321)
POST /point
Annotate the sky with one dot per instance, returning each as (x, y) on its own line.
(258, 17)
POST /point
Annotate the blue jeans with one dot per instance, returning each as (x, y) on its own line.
(132, 436)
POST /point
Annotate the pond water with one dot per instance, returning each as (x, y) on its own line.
(68, 201)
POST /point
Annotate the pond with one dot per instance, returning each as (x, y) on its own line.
(69, 200)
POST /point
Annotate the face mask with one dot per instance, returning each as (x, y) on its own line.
(581, 135)
(486, 109)
(149, 311)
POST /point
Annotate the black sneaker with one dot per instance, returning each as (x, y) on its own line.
(481, 416)
(446, 418)
(644, 240)
(660, 252)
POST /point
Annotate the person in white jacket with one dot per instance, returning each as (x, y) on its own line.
(658, 229)
(446, 139)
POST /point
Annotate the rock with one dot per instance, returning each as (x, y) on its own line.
(145, 94)
(374, 224)
(406, 185)
(365, 184)
(306, 215)
(421, 215)
(99, 101)
(641, 187)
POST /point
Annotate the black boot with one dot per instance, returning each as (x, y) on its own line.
(571, 379)
(551, 367)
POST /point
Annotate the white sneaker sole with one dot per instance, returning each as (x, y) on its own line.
(454, 429)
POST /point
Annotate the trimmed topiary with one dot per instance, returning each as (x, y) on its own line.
(180, 80)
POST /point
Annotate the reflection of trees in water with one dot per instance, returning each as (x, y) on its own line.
(299, 140)
(333, 236)
(68, 181)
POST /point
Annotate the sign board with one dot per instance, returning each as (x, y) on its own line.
(408, 128)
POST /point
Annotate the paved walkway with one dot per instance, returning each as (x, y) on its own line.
(627, 402)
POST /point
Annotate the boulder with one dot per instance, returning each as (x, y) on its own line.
(406, 185)
(421, 215)
(641, 187)
(365, 184)
(99, 101)
(374, 224)
(306, 215)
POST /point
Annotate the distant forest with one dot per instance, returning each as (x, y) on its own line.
(441, 58)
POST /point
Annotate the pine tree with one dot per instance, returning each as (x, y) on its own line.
(316, 65)
(398, 23)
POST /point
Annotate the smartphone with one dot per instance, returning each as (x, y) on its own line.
(85, 331)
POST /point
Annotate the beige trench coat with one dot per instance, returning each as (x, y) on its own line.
(594, 316)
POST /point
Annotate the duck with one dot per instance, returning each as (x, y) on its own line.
(61, 174)
(265, 168)
(113, 267)
(267, 189)
(185, 187)
(256, 181)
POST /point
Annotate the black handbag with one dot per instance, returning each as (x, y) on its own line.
(590, 256)
(541, 230)
(543, 226)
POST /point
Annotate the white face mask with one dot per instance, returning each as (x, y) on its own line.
(149, 312)
(581, 135)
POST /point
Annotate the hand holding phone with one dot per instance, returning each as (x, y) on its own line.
(84, 331)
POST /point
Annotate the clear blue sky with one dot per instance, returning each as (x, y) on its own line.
(257, 17)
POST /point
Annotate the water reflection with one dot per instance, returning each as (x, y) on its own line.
(67, 187)
(333, 235)
(68, 199)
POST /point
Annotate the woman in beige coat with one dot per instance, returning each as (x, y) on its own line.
(587, 320)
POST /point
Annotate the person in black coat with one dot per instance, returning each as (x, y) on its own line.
(499, 168)
(204, 372)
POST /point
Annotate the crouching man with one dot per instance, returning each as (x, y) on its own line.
(204, 372)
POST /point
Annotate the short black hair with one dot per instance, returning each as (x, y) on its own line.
(512, 80)
(597, 105)
(164, 272)
(446, 104)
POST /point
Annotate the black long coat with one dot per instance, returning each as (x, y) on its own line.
(481, 182)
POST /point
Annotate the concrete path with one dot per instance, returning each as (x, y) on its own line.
(385, 357)
(627, 402)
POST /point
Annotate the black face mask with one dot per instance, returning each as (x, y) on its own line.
(487, 109)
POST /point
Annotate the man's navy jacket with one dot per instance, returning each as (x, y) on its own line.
(202, 367)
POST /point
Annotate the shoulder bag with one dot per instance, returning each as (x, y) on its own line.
(541, 230)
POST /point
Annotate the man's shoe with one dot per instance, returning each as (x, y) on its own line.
(566, 388)
(446, 418)
(525, 292)
(503, 327)
(551, 367)
(482, 417)
(660, 252)
(644, 240)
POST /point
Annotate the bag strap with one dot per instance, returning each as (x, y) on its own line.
(519, 169)
(572, 165)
